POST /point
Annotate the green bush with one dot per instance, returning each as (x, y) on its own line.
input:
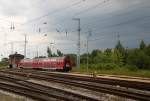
(103, 66)
(139, 58)
(119, 58)
(131, 67)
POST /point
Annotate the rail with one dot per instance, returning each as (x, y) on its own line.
(86, 83)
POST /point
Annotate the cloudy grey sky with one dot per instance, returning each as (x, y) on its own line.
(105, 18)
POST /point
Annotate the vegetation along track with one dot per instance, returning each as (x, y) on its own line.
(39, 92)
(87, 82)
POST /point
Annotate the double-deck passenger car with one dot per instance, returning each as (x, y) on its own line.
(54, 63)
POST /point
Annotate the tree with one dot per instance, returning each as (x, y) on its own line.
(54, 55)
(125, 56)
(119, 53)
(107, 52)
(139, 58)
(142, 45)
(83, 58)
(148, 50)
(117, 57)
(119, 47)
(42, 57)
(95, 53)
(59, 53)
(93, 57)
(49, 52)
(5, 60)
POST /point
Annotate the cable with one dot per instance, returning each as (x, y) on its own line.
(111, 14)
(53, 12)
(91, 8)
(115, 15)
(122, 23)
(88, 9)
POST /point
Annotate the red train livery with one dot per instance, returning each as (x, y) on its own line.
(55, 63)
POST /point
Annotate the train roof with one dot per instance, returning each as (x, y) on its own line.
(47, 58)
(53, 57)
(16, 55)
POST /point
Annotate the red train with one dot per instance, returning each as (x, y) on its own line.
(54, 63)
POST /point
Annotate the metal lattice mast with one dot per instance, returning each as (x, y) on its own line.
(25, 45)
(78, 44)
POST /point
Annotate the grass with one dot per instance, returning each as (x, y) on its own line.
(3, 65)
(5, 97)
(117, 70)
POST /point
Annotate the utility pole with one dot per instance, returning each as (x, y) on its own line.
(78, 44)
(37, 52)
(25, 45)
(87, 43)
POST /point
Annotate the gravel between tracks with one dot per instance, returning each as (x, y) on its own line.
(7, 96)
(98, 95)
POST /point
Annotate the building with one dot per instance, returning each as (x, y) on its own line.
(14, 59)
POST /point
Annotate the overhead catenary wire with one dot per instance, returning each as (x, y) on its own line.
(53, 12)
(104, 19)
(56, 11)
(117, 24)
(84, 11)
(91, 8)
(120, 14)
(96, 20)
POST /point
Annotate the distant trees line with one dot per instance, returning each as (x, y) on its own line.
(120, 56)
(51, 54)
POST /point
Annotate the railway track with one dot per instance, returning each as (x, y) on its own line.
(24, 91)
(87, 83)
(117, 76)
(39, 92)
(128, 82)
(136, 84)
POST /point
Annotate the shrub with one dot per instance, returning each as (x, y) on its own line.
(131, 67)
(103, 66)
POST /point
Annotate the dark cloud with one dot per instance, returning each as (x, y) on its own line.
(128, 18)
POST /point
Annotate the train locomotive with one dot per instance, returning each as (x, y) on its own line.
(54, 63)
